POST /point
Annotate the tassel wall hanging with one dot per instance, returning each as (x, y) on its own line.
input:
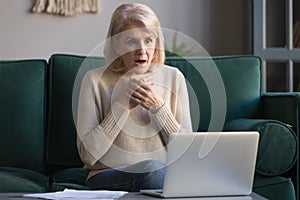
(66, 7)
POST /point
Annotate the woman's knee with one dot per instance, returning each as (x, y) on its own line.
(145, 166)
(153, 165)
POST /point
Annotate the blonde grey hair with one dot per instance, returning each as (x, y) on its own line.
(125, 15)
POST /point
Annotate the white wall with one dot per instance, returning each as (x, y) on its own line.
(217, 25)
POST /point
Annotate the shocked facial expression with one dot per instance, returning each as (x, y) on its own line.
(136, 47)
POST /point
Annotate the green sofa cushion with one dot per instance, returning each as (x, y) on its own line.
(22, 116)
(239, 76)
(22, 180)
(278, 144)
(61, 127)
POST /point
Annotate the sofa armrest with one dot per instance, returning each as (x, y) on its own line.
(278, 144)
(284, 107)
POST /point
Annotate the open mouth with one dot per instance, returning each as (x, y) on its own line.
(140, 61)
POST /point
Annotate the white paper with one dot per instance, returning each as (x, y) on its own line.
(79, 194)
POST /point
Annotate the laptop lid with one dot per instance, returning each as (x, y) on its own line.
(210, 164)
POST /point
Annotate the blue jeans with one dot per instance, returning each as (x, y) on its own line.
(125, 179)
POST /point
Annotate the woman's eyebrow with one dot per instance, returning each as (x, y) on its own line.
(130, 38)
(150, 37)
(135, 38)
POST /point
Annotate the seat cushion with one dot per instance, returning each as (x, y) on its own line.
(71, 178)
(22, 180)
(275, 188)
(278, 144)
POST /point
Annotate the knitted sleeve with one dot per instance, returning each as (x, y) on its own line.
(179, 121)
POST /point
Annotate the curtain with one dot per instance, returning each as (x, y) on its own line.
(66, 7)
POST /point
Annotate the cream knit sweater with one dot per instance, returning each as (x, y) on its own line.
(111, 136)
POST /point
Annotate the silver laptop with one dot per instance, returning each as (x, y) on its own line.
(209, 164)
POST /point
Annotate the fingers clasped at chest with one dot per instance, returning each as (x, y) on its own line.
(143, 92)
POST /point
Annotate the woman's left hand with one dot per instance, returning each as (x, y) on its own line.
(143, 92)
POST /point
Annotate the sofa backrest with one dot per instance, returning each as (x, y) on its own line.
(61, 131)
(221, 88)
(228, 86)
(22, 113)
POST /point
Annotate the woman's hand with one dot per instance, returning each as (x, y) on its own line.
(142, 92)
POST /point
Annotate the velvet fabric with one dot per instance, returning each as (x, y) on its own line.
(38, 134)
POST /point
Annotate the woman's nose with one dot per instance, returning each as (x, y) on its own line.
(142, 48)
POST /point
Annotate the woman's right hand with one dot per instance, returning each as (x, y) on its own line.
(124, 97)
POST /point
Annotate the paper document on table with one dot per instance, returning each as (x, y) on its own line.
(78, 194)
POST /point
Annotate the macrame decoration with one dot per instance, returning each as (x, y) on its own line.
(66, 7)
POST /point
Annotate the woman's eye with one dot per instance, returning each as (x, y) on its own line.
(131, 42)
(149, 41)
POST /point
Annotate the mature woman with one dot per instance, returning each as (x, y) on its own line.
(128, 108)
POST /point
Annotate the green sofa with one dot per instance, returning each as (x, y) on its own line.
(38, 137)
